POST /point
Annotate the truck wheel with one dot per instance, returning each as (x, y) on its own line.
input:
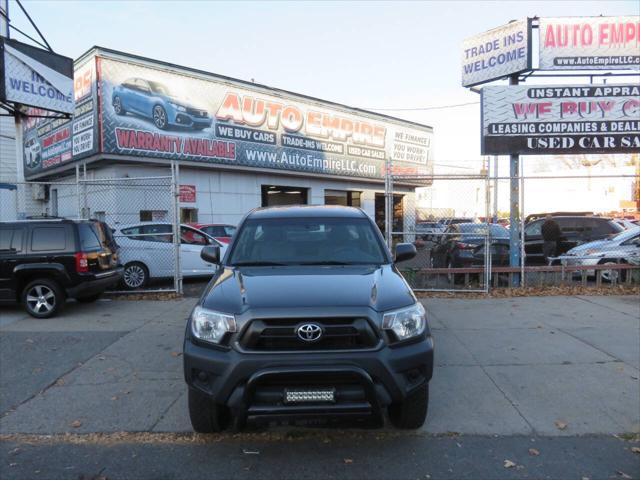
(43, 298)
(205, 415)
(411, 413)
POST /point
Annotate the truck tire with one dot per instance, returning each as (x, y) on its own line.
(411, 413)
(205, 415)
(43, 298)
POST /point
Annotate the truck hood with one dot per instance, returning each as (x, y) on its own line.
(236, 290)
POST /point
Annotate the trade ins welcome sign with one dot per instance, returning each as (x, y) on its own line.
(497, 53)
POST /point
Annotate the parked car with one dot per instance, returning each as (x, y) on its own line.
(154, 101)
(147, 251)
(428, 230)
(624, 223)
(454, 220)
(221, 232)
(613, 250)
(307, 317)
(44, 262)
(463, 245)
(575, 230)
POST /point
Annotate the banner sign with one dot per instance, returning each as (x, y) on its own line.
(559, 119)
(173, 115)
(497, 53)
(590, 43)
(50, 143)
(34, 77)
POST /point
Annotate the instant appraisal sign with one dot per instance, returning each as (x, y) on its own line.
(149, 111)
(559, 119)
(590, 43)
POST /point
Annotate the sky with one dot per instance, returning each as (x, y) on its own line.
(372, 55)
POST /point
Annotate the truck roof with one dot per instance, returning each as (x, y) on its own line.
(307, 211)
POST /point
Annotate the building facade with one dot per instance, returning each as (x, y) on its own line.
(238, 145)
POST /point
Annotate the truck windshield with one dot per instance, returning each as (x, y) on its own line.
(307, 241)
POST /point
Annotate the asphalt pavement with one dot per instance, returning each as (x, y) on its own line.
(532, 387)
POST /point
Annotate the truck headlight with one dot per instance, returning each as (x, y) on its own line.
(180, 108)
(211, 326)
(406, 322)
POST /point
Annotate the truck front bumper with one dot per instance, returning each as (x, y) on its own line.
(254, 385)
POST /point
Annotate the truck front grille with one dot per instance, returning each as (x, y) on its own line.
(282, 334)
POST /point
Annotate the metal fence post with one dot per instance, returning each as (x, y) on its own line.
(78, 199)
(175, 192)
(388, 205)
(487, 241)
(522, 217)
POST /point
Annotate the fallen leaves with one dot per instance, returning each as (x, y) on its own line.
(76, 424)
(560, 425)
(509, 464)
(176, 354)
(348, 461)
(533, 452)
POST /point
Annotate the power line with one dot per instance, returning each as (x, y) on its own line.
(440, 107)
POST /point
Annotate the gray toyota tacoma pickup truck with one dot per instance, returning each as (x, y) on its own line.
(307, 318)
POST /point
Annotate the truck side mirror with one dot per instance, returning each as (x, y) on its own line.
(210, 254)
(405, 251)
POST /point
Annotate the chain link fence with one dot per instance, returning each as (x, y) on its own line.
(142, 214)
(571, 230)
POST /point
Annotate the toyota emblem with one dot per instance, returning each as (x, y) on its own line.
(309, 332)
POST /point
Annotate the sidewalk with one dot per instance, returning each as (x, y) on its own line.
(549, 366)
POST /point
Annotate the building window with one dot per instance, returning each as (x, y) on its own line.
(273, 195)
(188, 215)
(342, 197)
(153, 215)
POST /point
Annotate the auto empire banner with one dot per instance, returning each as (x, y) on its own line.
(557, 119)
(50, 143)
(590, 43)
(496, 53)
(149, 112)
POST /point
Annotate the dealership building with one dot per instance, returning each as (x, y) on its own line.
(238, 145)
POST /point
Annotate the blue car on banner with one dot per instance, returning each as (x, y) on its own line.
(154, 101)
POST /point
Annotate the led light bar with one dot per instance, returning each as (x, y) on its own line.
(305, 396)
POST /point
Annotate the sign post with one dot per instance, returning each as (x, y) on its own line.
(514, 207)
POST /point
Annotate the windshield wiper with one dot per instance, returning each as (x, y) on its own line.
(258, 264)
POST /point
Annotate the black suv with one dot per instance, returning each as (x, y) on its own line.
(575, 230)
(307, 317)
(42, 262)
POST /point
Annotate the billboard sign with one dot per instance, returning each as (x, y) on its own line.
(54, 142)
(497, 53)
(560, 119)
(34, 77)
(149, 111)
(590, 43)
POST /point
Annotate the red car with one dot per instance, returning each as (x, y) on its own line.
(219, 231)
